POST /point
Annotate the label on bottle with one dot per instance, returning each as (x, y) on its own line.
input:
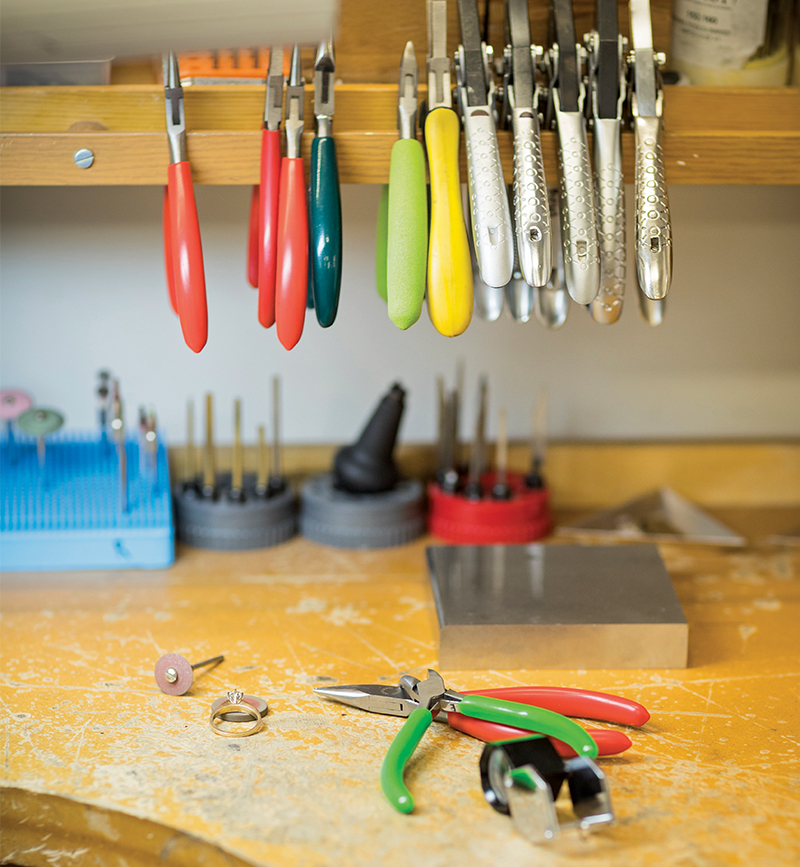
(717, 34)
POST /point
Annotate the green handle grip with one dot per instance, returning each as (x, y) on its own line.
(533, 719)
(399, 753)
(407, 233)
(325, 225)
(380, 241)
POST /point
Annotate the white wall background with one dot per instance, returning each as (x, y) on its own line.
(83, 288)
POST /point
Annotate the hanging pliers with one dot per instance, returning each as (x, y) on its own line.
(566, 111)
(325, 205)
(183, 251)
(653, 228)
(266, 212)
(291, 277)
(491, 216)
(449, 264)
(606, 52)
(406, 235)
(419, 700)
(521, 98)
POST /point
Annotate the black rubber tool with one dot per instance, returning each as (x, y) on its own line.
(367, 466)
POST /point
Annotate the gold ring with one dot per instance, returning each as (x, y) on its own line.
(235, 703)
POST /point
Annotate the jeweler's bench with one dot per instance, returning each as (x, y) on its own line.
(100, 767)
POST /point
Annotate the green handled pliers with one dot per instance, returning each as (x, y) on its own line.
(402, 254)
(419, 700)
(324, 197)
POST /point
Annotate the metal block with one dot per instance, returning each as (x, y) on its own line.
(556, 607)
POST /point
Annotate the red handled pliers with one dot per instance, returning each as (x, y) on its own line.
(263, 243)
(291, 277)
(183, 252)
(582, 703)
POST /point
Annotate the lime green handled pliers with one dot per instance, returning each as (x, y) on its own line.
(404, 210)
(325, 205)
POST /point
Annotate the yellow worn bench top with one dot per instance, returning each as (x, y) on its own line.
(101, 767)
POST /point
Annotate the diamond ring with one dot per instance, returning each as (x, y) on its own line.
(235, 702)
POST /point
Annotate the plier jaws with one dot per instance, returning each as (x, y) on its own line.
(407, 89)
(273, 106)
(324, 68)
(295, 107)
(374, 698)
(173, 100)
(439, 87)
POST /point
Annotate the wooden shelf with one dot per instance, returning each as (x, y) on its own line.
(712, 135)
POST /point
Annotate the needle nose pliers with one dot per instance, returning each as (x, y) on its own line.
(479, 713)
(183, 252)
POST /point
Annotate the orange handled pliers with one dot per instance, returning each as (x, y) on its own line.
(291, 277)
(183, 251)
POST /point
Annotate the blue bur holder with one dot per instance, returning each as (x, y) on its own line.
(68, 514)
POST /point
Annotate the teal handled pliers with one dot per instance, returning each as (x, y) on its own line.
(420, 700)
(402, 245)
(325, 204)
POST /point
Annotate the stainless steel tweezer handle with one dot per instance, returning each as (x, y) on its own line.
(653, 230)
(578, 224)
(532, 215)
(610, 200)
(491, 217)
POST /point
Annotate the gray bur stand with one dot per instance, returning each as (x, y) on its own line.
(230, 525)
(345, 520)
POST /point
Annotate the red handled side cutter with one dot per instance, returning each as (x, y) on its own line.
(183, 252)
(291, 277)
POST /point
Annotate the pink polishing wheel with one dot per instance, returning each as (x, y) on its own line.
(13, 403)
(174, 674)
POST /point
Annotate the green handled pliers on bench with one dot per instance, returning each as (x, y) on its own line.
(420, 700)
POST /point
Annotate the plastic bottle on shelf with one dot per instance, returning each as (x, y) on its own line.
(724, 42)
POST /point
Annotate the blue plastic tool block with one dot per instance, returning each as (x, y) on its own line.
(69, 514)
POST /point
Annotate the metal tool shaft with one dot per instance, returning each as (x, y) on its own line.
(209, 463)
(237, 471)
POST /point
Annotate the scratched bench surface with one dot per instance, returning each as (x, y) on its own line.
(714, 777)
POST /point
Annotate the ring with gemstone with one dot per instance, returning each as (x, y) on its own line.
(235, 703)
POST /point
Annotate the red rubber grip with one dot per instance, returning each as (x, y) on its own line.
(168, 266)
(252, 240)
(609, 742)
(291, 278)
(523, 518)
(187, 256)
(573, 702)
(268, 224)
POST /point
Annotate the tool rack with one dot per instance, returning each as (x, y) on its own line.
(712, 135)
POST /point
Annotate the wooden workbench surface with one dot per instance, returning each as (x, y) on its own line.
(100, 767)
